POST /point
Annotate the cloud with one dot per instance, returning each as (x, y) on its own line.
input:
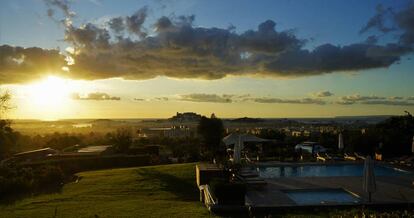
(201, 97)
(289, 101)
(358, 97)
(352, 99)
(374, 100)
(267, 40)
(181, 50)
(322, 94)
(328, 58)
(63, 5)
(396, 98)
(400, 23)
(97, 96)
(161, 98)
(135, 21)
(404, 21)
(123, 48)
(389, 102)
(117, 25)
(18, 64)
(378, 21)
(243, 96)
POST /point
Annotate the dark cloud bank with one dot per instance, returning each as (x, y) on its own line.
(123, 47)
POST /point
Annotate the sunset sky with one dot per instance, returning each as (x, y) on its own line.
(150, 59)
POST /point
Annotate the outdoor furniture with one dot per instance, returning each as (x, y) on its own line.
(407, 161)
(349, 157)
(323, 157)
(359, 156)
(398, 160)
(238, 140)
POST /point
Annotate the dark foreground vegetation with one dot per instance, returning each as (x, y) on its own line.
(155, 191)
(22, 181)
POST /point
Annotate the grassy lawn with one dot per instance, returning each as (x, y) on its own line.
(156, 191)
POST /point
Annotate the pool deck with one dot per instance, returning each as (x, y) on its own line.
(390, 190)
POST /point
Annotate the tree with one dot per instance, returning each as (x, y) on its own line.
(4, 103)
(122, 139)
(328, 140)
(396, 134)
(62, 140)
(8, 137)
(211, 131)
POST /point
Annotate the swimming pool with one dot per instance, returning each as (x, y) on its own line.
(321, 196)
(326, 171)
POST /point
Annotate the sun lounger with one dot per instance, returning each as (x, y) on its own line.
(349, 157)
(323, 157)
(398, 160)
(320, 157)
(407, 161)
(359, 156)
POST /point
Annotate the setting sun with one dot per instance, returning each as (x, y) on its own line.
(50, 95)
(51, 92)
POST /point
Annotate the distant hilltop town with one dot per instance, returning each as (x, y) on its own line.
(186, 117)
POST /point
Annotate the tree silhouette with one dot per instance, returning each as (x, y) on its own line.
(122, 139)
(211, 131)
(396, 134)
(8, 137)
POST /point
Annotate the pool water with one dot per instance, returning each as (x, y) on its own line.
(326, 171)
(321, 196)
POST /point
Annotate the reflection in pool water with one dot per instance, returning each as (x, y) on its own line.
(321, 196)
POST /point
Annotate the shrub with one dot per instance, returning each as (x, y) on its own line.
(16, 181)
(48, 176)
(78, 164)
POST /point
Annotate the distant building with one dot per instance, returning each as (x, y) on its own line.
(298, 133)
(186, 117)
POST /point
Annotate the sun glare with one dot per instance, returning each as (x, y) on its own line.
(49, 92)
(50, 95)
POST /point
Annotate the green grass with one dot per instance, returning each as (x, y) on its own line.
(156, 191)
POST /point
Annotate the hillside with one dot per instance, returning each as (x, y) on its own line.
(156, 191)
